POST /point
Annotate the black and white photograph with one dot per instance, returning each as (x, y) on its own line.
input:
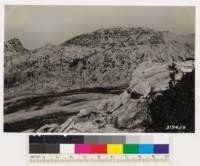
(99, 69)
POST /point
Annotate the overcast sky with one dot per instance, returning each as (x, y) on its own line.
(37, 25)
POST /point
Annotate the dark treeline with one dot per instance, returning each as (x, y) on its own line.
(173, 111)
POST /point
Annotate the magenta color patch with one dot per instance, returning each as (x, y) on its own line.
(83, 148)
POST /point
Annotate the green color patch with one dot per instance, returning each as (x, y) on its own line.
(130, 149)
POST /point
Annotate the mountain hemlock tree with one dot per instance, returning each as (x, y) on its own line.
(173, 72)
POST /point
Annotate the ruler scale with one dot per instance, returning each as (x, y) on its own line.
(99, 150)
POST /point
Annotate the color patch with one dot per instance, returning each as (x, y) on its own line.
(118, 140)
(132, 139)
(104, 139)
(52, 148)
(36, 139)
(103, 144)
(54, 139)
(161, 149)
(146, 149)
(99, 149)
(67, 148)
(160, 139)
(130, 149)
(83, 148)
(147, 139)
(36, 148)
(74, 139)
(90, 139)
(115, 148)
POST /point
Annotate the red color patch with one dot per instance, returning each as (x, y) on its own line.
(99, 148)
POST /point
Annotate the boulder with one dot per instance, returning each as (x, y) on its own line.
(143, 88)
(48, 128)
(133, 114)
(84, 113)
(150, 76)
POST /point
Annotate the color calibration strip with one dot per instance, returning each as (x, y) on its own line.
(80, 144)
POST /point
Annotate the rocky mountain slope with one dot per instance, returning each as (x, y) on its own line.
(46, 82)
(106, 57)
(132, 111)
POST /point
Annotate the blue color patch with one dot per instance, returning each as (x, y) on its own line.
(146, 149)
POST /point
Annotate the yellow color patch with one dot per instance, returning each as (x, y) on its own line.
(115, 148)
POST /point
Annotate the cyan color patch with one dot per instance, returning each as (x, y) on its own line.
(146, 149)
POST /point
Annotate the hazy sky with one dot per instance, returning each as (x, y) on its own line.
(37, 25)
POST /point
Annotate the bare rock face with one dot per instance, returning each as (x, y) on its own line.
(106, 57)
(129, 111)
(155, 77)
(48, 128)
(141, 89)
(15, 45)
(132, 114)
(145, 59)
(84, 113)
(149, 76)
(185, 67)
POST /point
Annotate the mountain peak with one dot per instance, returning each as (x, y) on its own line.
(137, 29)
(118, 36)
(15, 44)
